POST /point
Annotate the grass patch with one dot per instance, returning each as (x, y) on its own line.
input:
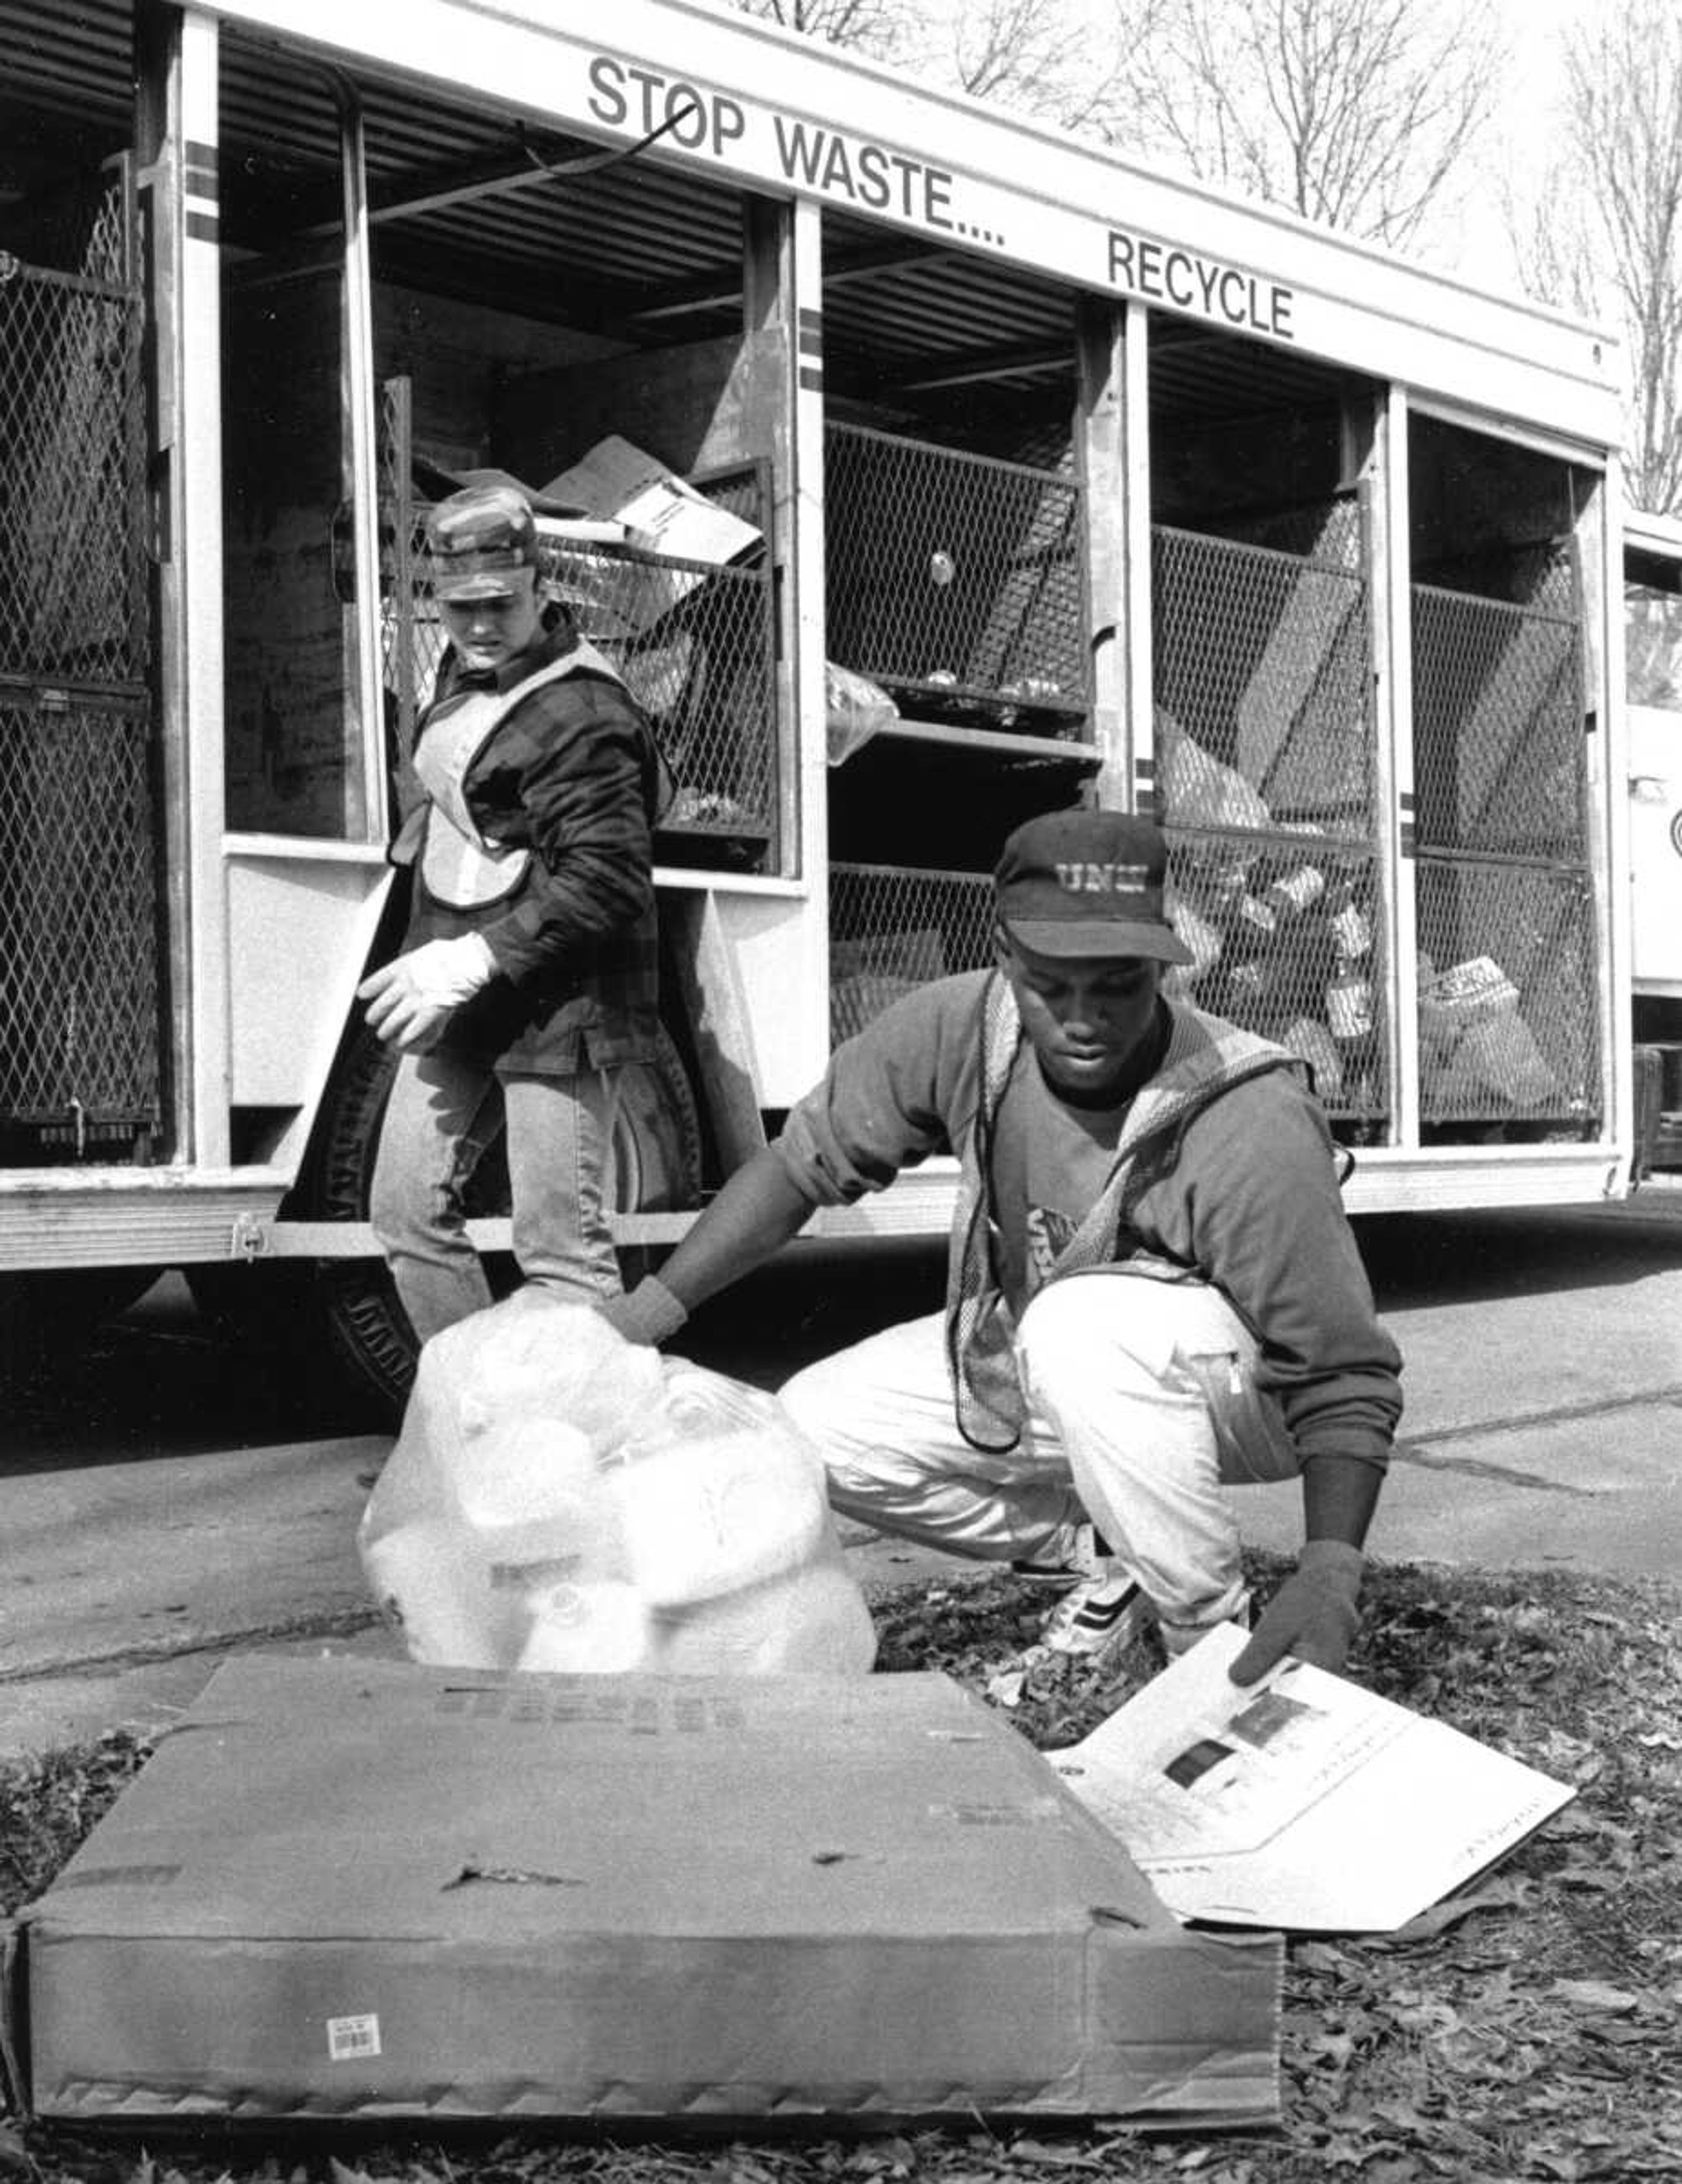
(1531, 2034)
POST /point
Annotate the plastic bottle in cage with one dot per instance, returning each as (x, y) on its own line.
(1349, 925)
(1349, 1002)
(1258, 913)
(1295, 892)
(1256, 993)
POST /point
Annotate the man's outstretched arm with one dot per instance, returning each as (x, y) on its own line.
(756, 1212)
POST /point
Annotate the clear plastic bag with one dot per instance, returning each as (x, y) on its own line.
(855, 708)
(561, 1499)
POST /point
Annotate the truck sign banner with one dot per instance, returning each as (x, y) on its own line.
(771, 112)
(867, 176)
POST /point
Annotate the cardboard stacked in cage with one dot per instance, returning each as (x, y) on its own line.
(346, 1888)
(619, 484)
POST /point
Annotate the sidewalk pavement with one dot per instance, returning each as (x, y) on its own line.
(254, 1550)
(1542, 1431)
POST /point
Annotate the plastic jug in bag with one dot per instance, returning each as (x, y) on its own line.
(729, 1540)
(715, 1492)
(560, 1499)
(493, 1495)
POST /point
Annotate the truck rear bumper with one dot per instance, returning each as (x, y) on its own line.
(176, 1217)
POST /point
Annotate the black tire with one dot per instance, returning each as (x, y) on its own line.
(656, 1167)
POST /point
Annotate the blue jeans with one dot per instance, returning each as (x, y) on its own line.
(442, 1113)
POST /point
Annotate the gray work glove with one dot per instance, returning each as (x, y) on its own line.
(649, 1313)
(1314, 1614)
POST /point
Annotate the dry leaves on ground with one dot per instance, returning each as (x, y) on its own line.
(1524, 2029)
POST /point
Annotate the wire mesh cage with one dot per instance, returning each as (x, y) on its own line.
(1507, 1017)
(72, 556)
(696, 645)
(78, 958)
(958, 582)
(1505, 919)
(1286, 937)
(893, 928)
(695, 642)
(1262, 677)
(1265, 781)
(1498, 761)
(78, 995)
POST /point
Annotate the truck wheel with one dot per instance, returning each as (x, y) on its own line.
(656, 1166)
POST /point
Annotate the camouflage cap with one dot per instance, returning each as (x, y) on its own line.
(478, 539)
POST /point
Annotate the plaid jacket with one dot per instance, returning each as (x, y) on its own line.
(571, 774)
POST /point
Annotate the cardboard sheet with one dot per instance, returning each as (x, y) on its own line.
(662, 511)
(373, 1889)
(1300, 1801)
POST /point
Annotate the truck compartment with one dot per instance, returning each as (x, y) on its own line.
(1266, 759)
(1505, 924)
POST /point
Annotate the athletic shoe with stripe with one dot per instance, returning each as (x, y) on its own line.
(1090, 1559)
(1103, 1614)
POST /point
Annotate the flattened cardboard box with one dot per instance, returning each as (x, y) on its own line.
(345, 1888)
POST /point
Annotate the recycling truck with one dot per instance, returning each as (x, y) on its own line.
(937, 470)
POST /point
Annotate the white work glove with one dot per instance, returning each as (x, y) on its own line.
(408, 1000)
(1314, 1614)
(649, 1313)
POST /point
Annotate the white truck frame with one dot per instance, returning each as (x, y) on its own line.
(1652, 573)
(1421, 456)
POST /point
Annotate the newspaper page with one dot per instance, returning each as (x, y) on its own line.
(1299, 1801)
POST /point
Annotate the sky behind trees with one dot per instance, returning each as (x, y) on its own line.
(1533, 147)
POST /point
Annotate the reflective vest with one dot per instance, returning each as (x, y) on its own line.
(457, 867)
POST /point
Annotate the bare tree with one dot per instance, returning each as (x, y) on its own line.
(1604, 237)
(1359, 112)
(1039, 56)
(875, 28)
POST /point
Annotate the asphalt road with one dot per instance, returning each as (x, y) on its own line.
(165, 1498)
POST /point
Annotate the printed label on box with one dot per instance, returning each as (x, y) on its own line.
(352, 2039)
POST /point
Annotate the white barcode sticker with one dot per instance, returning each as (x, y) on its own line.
(349, 2039)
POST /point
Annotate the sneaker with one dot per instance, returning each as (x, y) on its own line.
(1090, 1559)
(1104, 1614)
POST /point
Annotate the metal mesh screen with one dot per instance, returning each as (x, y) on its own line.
(958, 582)
(893, 928)
(1505, 923)
(1508, 1021)
(72, 566)
(1287, 939)
(1262, 664)
(404, 662)
(1265, 777)
(696, 645)
(78, 967)
(1498, 757)
(78, 1047)
(695, 642)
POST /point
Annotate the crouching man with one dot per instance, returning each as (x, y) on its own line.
(1153, 1290)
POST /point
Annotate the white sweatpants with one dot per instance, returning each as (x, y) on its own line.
(1145, 1405)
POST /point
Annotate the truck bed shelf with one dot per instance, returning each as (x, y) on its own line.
(997, 742)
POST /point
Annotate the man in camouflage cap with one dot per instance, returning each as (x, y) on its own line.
(527, 981)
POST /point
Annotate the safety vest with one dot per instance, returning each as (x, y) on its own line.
(459, 867)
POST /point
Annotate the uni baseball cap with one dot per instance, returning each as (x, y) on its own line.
(1087, 883)
(478, 539)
